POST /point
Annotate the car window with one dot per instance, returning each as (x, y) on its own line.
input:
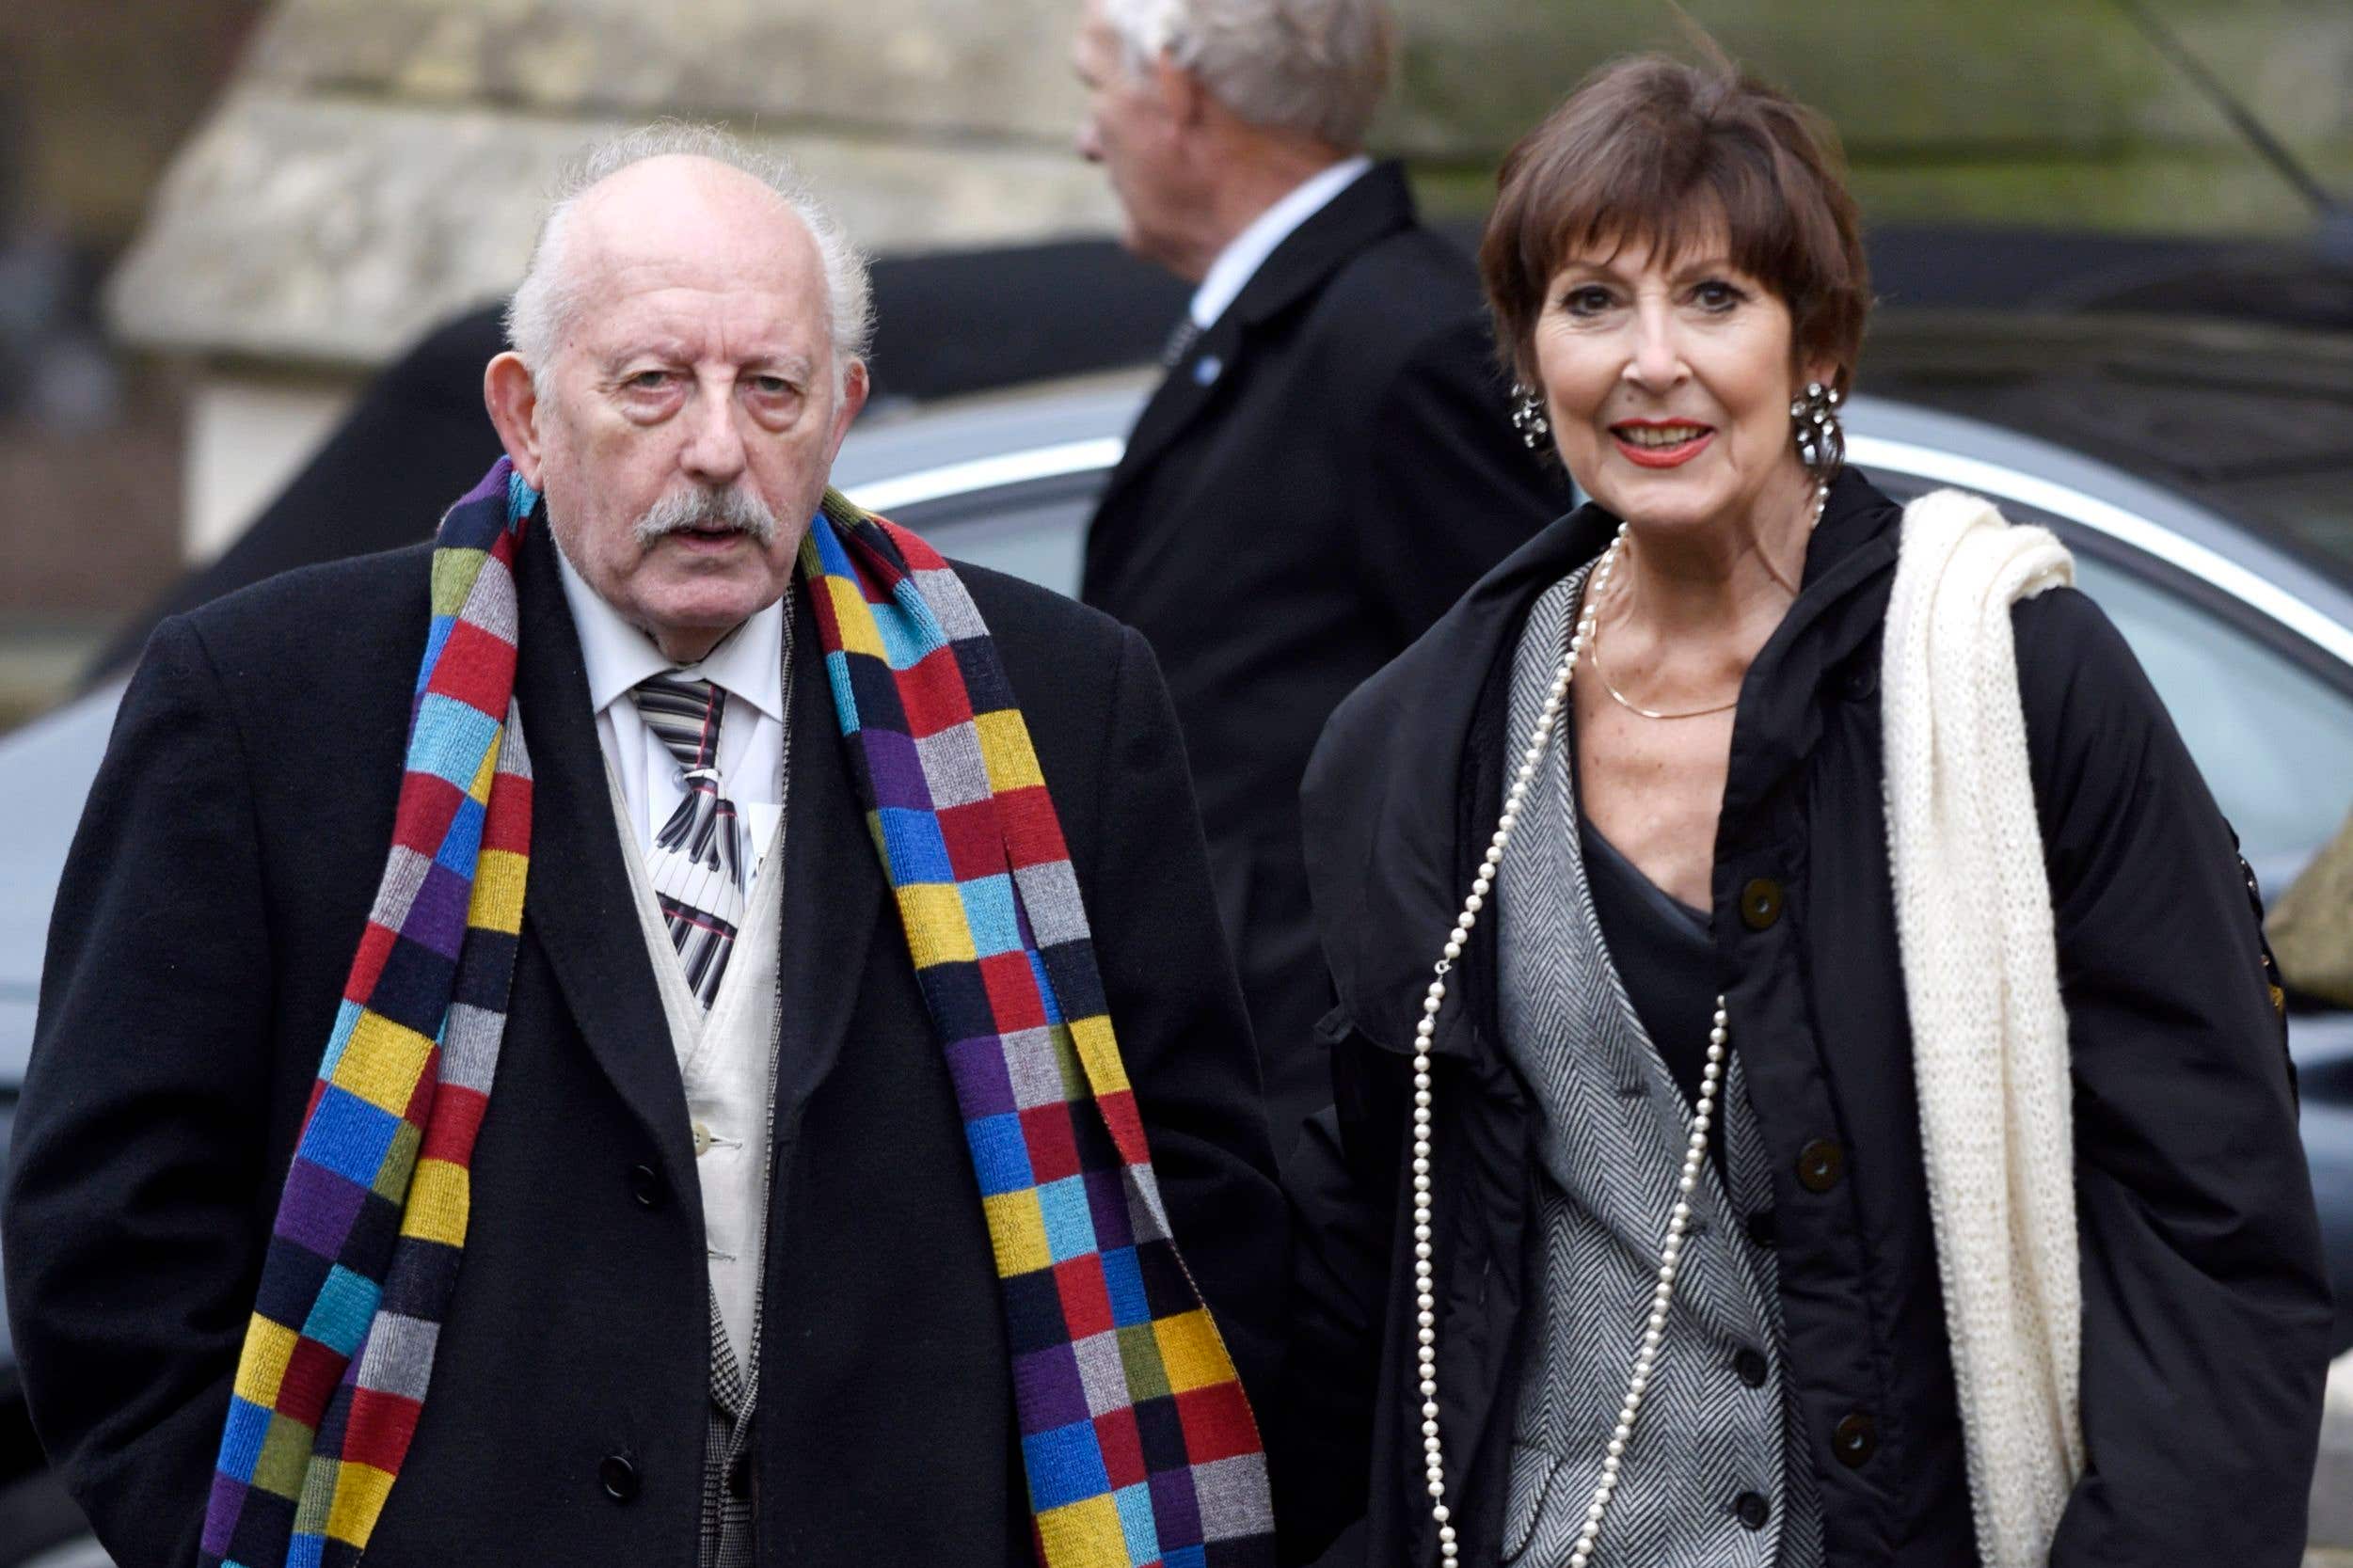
(2310, 508)
(1036, 531)
(2274, 741)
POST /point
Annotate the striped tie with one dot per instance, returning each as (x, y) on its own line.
(1181, 340)
(698, 862)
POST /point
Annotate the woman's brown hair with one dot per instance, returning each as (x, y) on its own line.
(1654, 151)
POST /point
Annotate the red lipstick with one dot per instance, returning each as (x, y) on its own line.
(1654, 456)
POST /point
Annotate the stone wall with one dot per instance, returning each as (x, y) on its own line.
(336, 231)
(380, 162)
(379, 165)
(95, 95)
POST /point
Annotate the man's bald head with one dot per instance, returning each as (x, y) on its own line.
(689, 355)
(657, 186)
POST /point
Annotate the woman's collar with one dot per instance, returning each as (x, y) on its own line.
(1381, 793)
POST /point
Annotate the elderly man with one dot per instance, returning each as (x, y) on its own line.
(772, 1008)
(1331, 461)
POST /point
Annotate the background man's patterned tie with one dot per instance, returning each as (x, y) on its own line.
(699, 858)
(1181, 339)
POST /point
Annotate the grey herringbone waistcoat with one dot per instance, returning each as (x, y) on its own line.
(1614, 1129)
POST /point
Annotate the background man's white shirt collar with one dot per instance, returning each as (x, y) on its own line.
(1247, 251)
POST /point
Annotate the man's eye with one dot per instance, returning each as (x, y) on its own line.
(648, 381)
(772, 387)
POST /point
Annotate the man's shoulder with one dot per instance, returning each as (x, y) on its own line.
(1410, 301)
(337, 610)
(382, 583)
(1409, 281)
(1019, 611)
(1063, 658)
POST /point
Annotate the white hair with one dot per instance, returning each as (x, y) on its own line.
(544, 301)
(1312, 66)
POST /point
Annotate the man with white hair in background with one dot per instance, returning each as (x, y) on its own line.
(671, 1025)
(1329, 461)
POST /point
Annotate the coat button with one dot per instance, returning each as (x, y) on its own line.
(646, 1182)
(740, 1477)
(1761, 1229)
(1760, 903)
(1751, 1510)
(1855, 1441)
(1751, 1368)
(619, 1478)
(1820, 1165)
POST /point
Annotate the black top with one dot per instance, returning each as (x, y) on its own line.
(1662, 953)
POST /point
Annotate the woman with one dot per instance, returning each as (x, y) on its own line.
(1647, 1228)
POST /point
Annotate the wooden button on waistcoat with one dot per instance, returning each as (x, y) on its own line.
(1760, 903)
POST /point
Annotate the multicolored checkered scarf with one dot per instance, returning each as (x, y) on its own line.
(364, 1252)
(1139, 1446)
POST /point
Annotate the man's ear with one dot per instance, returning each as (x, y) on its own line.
(854, 387)
(1180, 92)
(514, 404)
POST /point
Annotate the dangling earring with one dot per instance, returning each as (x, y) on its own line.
(1821, 440)
(1528, 418)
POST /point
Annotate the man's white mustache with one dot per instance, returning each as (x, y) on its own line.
(682, 510)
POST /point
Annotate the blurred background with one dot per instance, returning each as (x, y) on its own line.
(246, 248)
(94, 102)
(219, 218)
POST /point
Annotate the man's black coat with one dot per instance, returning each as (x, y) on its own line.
(1326, 470)
(2206, 1305)
(225, 866)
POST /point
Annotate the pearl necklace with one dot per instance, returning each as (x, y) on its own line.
(1678, 1221)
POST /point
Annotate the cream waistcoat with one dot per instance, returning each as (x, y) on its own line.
(724, 1063)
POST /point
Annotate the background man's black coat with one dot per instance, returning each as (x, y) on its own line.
(1325, 472)
(225, 866)
(2205, 1306)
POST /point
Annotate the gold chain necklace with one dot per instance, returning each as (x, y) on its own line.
(1820, 496)
(1619, 697)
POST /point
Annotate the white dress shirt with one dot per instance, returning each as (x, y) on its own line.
(1247, 251)
(748, 665)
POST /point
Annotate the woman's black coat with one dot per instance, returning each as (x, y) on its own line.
(2206, 1305)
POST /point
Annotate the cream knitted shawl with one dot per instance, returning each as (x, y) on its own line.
(1980, 972)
